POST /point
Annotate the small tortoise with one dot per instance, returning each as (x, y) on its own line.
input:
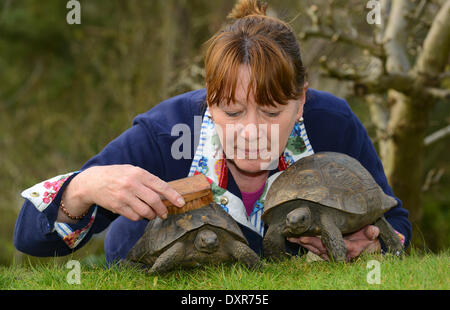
(199, 236)
(326, 194)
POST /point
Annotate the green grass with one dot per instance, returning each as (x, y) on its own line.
(413, 272)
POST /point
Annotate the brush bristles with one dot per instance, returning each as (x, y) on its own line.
(194, 204)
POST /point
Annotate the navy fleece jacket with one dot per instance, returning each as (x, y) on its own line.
(330, 125)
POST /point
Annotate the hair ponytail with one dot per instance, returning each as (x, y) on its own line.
(244, 8)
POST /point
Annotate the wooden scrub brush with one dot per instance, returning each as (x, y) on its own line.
(196, 192)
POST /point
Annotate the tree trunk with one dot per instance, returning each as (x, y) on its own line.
(409, 116)
(168, 44)
(404, 160)
(412, 90)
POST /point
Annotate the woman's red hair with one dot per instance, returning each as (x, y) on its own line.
(267, 45)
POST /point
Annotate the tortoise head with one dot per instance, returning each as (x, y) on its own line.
(206, 241)
(298, 221)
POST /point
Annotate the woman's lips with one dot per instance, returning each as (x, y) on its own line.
(248, 153)
(247, 150)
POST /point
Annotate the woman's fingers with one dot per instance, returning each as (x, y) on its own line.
(355, 247)
(129, 213)
(314, 244)
(144, 210)
(372, 232)
(374, 247)
(149, 203)
(365, 238)
(163, 188)
(314, 250)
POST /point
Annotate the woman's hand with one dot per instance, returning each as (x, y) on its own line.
(123, 189)
(364, 240)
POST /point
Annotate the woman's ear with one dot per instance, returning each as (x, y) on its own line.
(302, 101)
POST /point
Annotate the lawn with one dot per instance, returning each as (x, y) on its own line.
(413, 272)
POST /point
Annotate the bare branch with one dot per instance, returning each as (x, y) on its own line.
(416, 16)
(435, 136)
(401, 82)
(432, 178)
(386, 6)
(333, 72)
(311, 11)
(379, 114)
(444, 75)
(418, 21)
(364, 85)
(420, 8)
(380, 28)
(438, 93)
(398, 65)
(436, 47)
(327, 33)
(395, 38)
(328, 19)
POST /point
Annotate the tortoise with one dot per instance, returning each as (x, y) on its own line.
(199, 236)
(326, 194)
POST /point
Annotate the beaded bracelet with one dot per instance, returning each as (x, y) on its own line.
(72, 217)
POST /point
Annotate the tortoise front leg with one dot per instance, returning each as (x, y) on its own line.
(274, 242)
(332, 239)
(244, 254)
(389, 237)
(169, 259)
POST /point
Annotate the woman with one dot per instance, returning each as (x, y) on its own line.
(256, 110)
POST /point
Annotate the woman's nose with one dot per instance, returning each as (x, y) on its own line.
(249, 132)
(250, 128)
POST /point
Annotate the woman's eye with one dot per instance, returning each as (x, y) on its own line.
(272, 114)
(232, 114)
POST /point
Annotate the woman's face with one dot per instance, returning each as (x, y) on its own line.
(253, 136)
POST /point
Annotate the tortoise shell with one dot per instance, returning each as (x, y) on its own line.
(330, 179)
(162, 233)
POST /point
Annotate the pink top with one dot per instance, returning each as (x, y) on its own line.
(250, 199)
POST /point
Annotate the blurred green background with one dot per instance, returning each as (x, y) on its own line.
(67, 90)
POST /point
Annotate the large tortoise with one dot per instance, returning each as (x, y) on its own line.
(326, 194)
(201, 236)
